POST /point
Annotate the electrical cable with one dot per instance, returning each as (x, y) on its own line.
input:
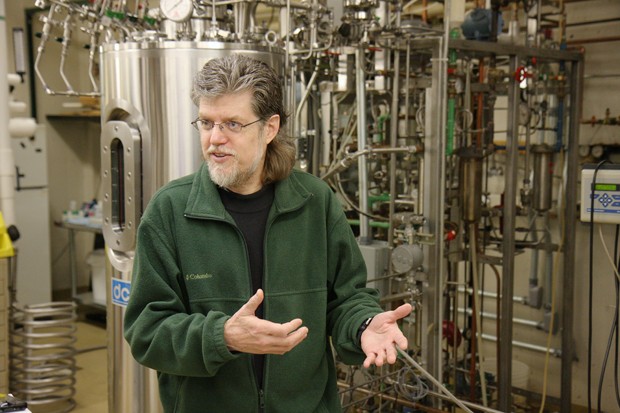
(617, 390)
(615, 320)
(614, 324)
(611, 260)
(590, 284)
(412, 392)
(436, 382)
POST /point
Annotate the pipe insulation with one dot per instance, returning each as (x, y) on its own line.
(16, 107)
(22, 127)
(7, 162)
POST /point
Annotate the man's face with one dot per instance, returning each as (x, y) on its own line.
(236, 159)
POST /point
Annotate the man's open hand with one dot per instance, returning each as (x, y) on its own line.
(382, 334)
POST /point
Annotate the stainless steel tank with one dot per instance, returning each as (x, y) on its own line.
(543, 177)
(146, 141)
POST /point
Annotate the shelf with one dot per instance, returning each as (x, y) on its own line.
(87, 299)
(93, 115)
(79, 227)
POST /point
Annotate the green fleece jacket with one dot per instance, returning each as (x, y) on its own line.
(313, 270)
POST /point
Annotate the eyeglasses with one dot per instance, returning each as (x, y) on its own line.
(203, 125)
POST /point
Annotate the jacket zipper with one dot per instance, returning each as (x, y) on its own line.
(261, 392)
(261, 400)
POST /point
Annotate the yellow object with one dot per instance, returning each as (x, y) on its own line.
(6, 246)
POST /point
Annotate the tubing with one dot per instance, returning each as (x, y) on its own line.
(42, 368)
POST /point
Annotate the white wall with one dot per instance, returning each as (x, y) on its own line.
(72, 146)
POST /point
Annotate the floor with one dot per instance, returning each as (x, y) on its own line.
(91, 376)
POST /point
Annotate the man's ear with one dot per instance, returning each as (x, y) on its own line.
(272, 127)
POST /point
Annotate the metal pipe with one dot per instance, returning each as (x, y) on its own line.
(42, 358)
(553, 351)
(434, 204)
(91, 58)
(304, 98)
(498, 308)
(433, 380)
(66, 41)
(346, 162)
(490, 294)
(393, 139)
(292, 96)
(520, 321)
(568, 284)
(399, 400)
(508, 246)
(396, 297)
(466, 104)
(480, 106)
(593, 40)
(526, 161)
(296, 5)
(473, 249)
(326, 124)
(45, 32)
(360, 76)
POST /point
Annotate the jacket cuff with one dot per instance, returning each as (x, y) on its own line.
(214, 338)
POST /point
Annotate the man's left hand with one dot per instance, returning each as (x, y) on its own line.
(382, 334)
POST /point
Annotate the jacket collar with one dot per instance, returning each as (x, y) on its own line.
(204, 200)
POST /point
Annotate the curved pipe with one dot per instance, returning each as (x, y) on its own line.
(346, 162)
(45, 32)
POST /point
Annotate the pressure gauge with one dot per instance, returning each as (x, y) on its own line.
(176, 10)
(584, 150)
(597, 151)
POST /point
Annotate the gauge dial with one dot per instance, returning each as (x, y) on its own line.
(584, 150)
(597, 151)
(176, 10)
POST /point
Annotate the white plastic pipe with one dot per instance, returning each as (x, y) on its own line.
(22, 127)
(457, 13)
(7, 162)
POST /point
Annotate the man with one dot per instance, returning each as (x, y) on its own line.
(247, 273)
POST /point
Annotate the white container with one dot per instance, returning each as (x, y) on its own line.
(96, 262)
(520, 372)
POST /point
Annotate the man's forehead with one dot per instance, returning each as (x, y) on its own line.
(233, 103)
(242, 96)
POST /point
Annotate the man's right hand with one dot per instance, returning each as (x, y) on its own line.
(246, 333)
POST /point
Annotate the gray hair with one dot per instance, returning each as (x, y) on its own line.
(236, 74)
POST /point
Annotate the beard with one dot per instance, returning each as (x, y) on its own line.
(231, 174)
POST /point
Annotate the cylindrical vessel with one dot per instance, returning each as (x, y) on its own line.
(471, 186)
(146, 141)
(542, 159)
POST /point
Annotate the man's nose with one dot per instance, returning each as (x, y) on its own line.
(217, 134)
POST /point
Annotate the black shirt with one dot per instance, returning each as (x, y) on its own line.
(250, 213)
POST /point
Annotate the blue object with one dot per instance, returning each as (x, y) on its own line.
(478, 22)
(120, 292)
